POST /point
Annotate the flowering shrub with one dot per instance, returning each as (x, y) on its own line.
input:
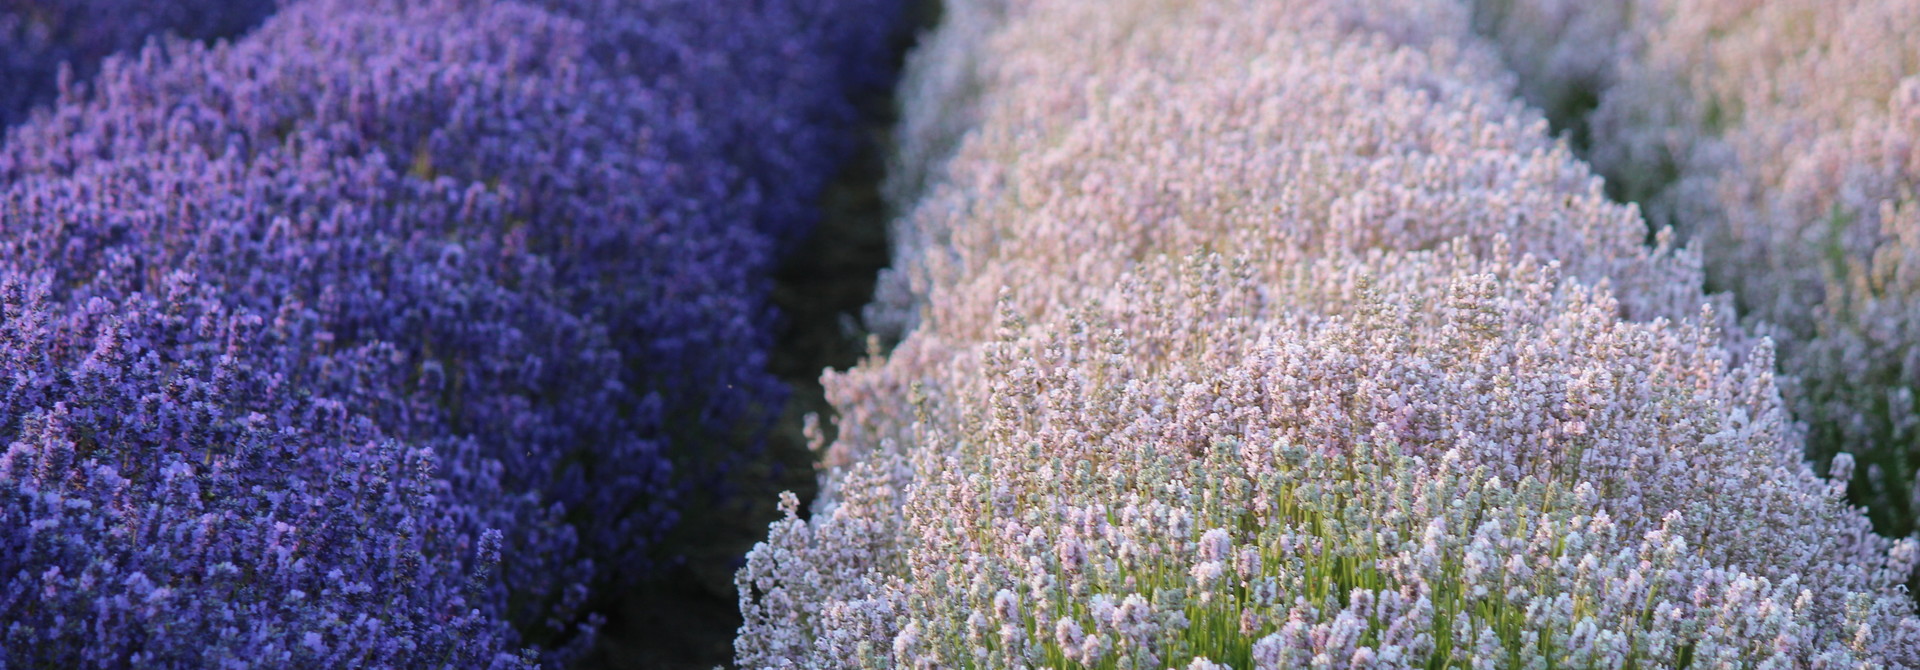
(1781, 137)
(170, 502)
(38, 37)
(526, 242)
(1276, 335)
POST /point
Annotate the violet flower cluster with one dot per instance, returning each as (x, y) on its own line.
(168, 500)
(1279, 335)
(1781, 138)
(425, 317)
(38, 38)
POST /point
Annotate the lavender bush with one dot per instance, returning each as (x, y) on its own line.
(40, 37)
(527, 241)
(1781, 137)
(169, 502)
(1274, 335)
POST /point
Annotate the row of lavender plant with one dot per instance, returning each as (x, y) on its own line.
(38, 38)
(397, 333)
(1260, 334)
(1785, 138)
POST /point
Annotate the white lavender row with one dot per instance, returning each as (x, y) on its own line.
(1276, 335)
(1781, 136)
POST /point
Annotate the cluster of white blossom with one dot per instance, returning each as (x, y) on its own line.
(1783, 140)
(1274, 334)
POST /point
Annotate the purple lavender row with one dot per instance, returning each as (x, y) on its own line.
(529, 240)
(168, 501)
(38, 37)
(773, 84)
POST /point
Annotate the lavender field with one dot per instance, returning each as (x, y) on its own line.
(1119, 334)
